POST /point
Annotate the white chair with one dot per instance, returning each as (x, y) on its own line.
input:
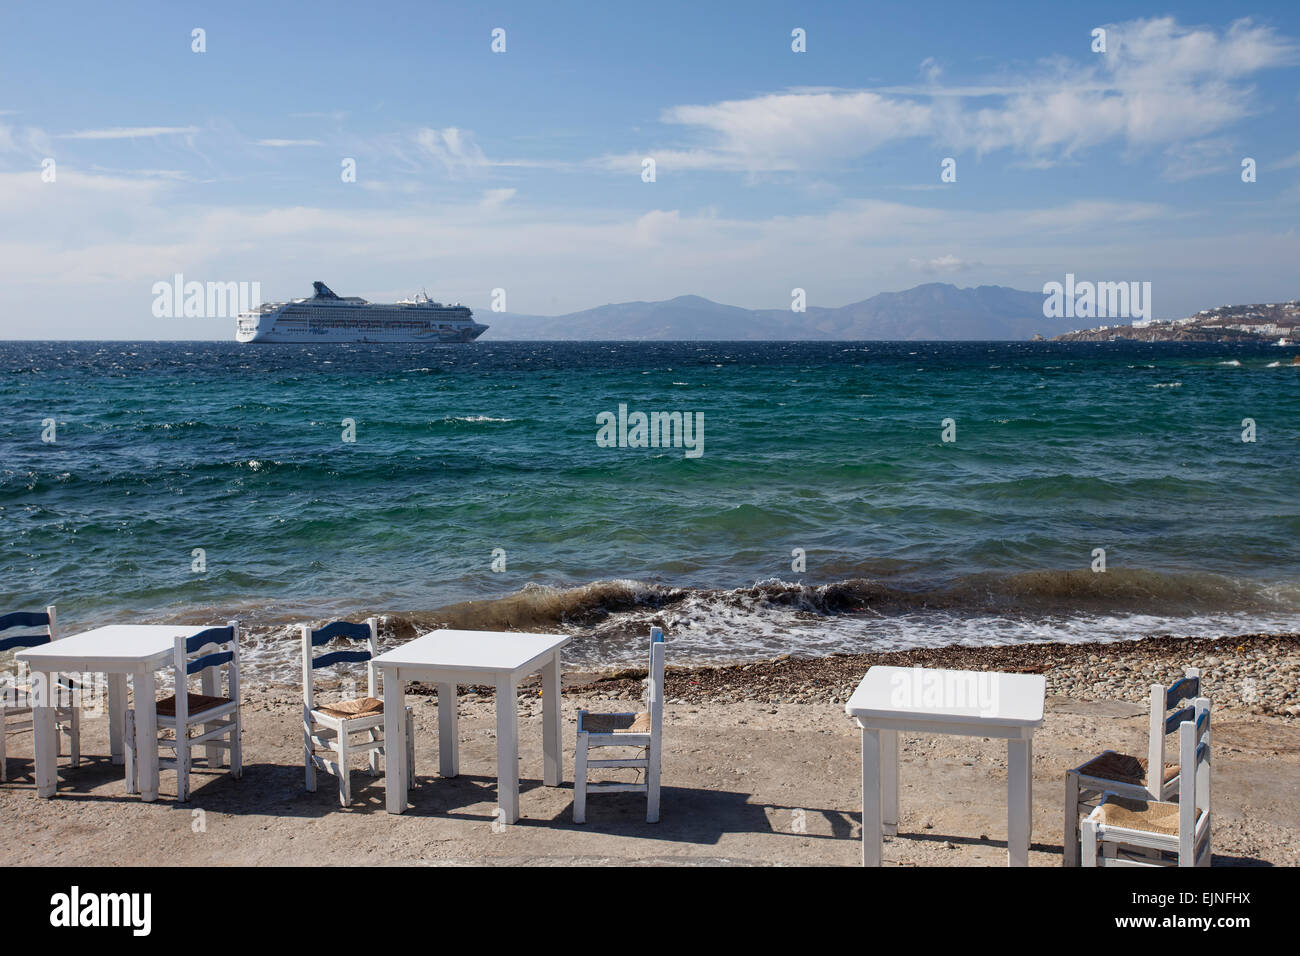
(214, 715)
(1139, 778)
(643, 729)
(331, 726)
(36, 628)
(1122, 831)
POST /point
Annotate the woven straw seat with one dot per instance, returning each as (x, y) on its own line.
(1123, 768)
(352, 709)
(197, 704)
(617, 723)
(1145, 815)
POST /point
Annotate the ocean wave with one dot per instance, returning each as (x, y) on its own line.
(1029, 594)
(610, 618)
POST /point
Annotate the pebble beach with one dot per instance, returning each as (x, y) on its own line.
(761, 767)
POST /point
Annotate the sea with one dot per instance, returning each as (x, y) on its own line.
(828, 497)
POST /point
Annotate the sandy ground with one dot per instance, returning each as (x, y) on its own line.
(745, 782)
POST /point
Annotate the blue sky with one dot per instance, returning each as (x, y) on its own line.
(522, 170)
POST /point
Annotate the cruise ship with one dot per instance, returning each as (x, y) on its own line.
(326, 317)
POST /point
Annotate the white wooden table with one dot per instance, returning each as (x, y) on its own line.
(929, 700)
(117, 651)
(448, 658)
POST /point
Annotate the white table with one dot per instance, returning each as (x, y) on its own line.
(118, 651)
(448, 658)
(929, 700)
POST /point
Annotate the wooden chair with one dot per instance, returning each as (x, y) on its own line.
(1138, 778)
(643, 729)
(1123, 831)
(36, 628)
(331, 726)
(214, 715)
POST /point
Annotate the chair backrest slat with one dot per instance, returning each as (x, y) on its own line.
(23, 640)
(213, 635)
(1185, 688)
(209, 660)
(24, 619)
(354, 632)
(340, 657)
(1176, 719)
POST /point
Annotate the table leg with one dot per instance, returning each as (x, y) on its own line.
(551, 725)
(448, 733)
(395, 776)
(1019, 803)
(889, 782)
(507, 750)
(872, 838)
(45, 739)
(146, 733)
(116, 716)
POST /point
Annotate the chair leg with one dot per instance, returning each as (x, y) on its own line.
(652, 785)
(410, 749)
(580, 781)
(182, 764)
(3, 719)
(373, 734)
(345, 777)
(237, 747)
(307, 751)
(74, 742)
(1071, 842)
(128, 752)
(1089, 848)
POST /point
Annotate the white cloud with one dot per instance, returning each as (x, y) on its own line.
(24, 139)
(786, 131)
(1160, 84)
(1290, 162)
(130, 132)
(455, 150)
(942, 264)
(1200, 158)
(496, 198)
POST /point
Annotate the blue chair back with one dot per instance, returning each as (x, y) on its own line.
(348, 631)
(212, 650)
(33, 628)
(338, 630)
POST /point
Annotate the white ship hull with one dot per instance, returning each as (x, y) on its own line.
(327, 318)
(346, 335)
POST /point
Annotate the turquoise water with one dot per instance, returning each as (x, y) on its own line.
(832, 448)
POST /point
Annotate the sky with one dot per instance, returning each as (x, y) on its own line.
(127, 157)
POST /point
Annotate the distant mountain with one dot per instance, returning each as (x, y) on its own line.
(936, 310)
